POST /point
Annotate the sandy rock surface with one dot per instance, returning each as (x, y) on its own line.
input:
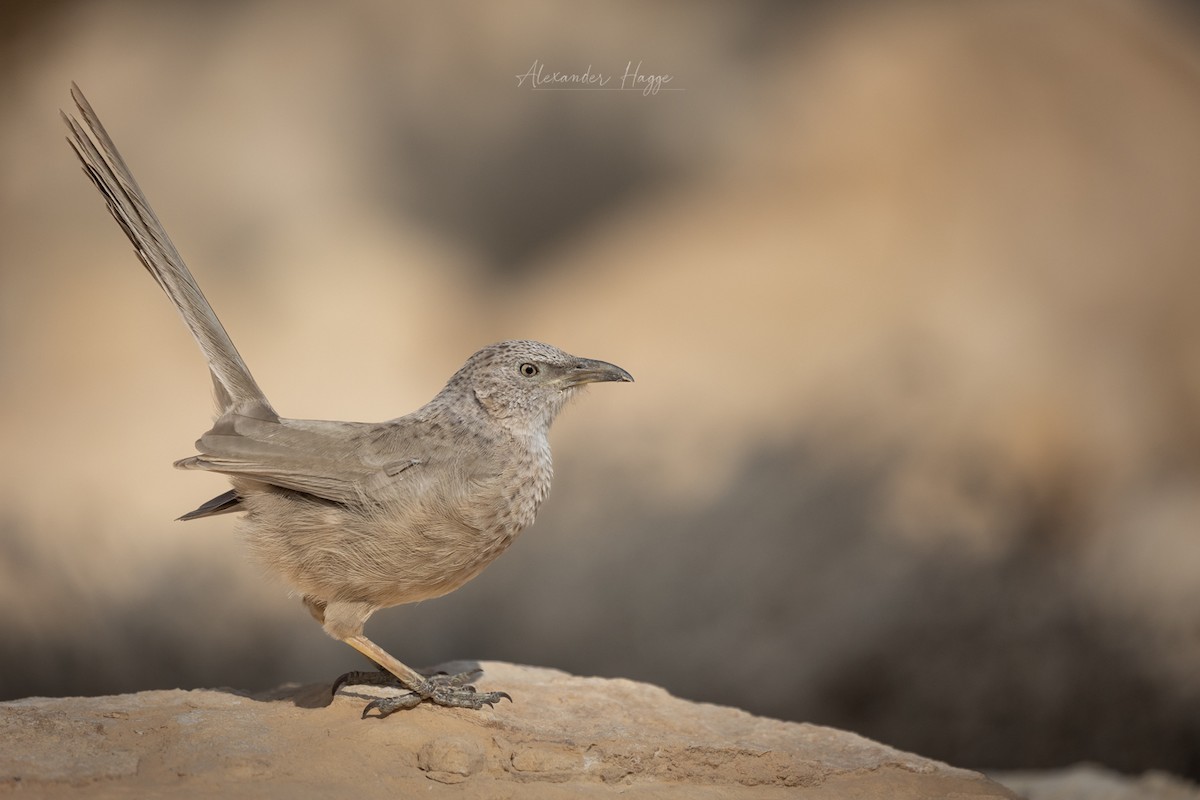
(564, 736)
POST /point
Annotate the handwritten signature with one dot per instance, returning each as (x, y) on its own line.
(539, 78)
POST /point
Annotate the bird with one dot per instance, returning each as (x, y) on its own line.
(356, 516)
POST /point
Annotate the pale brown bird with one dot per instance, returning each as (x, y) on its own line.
(362, 516)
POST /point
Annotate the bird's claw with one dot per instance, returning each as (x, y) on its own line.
(388, 705)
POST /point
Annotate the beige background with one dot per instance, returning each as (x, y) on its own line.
(910, 292)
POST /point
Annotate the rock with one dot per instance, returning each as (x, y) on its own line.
(564, 736)
(1089, 782)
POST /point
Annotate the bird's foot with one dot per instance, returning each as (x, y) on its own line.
(450, 696)
(453, 691)
(381, 677)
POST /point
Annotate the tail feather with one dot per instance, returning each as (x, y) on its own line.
(235, 388)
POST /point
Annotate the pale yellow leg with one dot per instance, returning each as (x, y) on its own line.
(343, 620)
(409, 678)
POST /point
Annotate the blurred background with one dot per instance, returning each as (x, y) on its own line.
(909, 289)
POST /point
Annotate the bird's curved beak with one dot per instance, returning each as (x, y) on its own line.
(590, 370)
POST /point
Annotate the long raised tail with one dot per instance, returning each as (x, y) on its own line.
(235, 388)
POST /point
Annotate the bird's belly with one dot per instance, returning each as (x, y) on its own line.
(377, 556)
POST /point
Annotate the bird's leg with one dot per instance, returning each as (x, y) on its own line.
(443, 690)
(343, 620)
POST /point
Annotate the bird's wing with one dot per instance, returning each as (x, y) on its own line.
(331, 460)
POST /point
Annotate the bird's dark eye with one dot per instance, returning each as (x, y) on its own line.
(529, 370)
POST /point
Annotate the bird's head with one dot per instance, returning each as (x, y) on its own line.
(523, 384)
